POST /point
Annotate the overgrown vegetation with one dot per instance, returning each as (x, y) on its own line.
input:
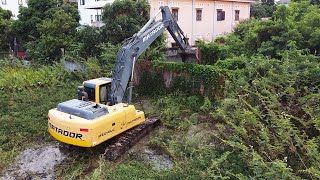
(262, 122)
(262, 8)
(266, 125)
(294, 26)
(5, 29)
(27, 93)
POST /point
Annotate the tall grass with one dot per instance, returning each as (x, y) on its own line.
(26, 95)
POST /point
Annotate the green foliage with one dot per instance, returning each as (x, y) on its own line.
(296, 25)
(124, 18)
(211, 53)
(89, 39)
(191, 79)
(207, 106)
(206, 73)
(17, 79)
(56, 35)
(156, 51)
(264, 8)
(265, 126)
(87, 43)
(26, 96)
(261, 10)
(93, 68)
(151, 84)
(171, 107)
(5, 29)
(44, 27)
(109, 55)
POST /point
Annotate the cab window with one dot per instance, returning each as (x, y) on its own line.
(103, 94)
(91, 93)
(105, 90)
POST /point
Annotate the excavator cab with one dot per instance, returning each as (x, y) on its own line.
(96, 90)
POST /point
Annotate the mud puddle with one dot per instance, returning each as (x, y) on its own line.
(159, 160)
(35, 164)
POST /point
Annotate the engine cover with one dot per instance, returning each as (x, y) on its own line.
(84, 109)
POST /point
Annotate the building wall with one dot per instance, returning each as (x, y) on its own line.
(90, 9)
(208, 28)
(13, 6)
(86, 14)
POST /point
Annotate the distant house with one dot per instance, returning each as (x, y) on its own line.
(283, 2)
(91, 11)
(199, 19)
(205, 19)
(13, 6)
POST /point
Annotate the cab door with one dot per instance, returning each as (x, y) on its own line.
(104, 93)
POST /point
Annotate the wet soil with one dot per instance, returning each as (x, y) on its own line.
(35, 163)
(158, 159)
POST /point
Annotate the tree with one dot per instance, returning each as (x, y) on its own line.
(258, 11)
(44, 27)
(89, 39)
(5, 29)
(265, 8)
(123, 18)
(56, 35)
(31, 16)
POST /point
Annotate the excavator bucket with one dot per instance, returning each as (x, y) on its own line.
(189, 55)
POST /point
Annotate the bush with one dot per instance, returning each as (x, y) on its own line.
(212, 52)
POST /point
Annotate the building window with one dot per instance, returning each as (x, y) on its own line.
(91, 16)
(174, 45)
(199, 15)
(20, 2)
(82, 2)
(221, 15)
(175, 14)
(98, 18)
(237, 15)
(4, 2)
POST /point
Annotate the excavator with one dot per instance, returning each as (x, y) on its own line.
(100, 112)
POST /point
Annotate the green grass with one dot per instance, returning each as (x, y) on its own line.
(24, 117)
(26, 95)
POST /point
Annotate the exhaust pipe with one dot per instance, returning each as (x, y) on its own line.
(82, 95)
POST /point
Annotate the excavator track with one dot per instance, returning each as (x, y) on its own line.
(123, 142)
(117, 146)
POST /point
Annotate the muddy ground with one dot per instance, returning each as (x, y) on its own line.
(42, 161)
(35, 163)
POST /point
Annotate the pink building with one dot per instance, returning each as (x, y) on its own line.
(204, 19)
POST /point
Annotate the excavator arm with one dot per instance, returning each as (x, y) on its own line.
(135, 46)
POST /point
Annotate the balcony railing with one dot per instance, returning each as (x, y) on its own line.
(97, 23)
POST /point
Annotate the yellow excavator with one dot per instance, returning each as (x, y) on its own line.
(99, 112)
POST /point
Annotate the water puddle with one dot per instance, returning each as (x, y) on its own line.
(158, 159)
(35, 164)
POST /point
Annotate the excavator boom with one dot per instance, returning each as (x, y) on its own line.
(130, 52)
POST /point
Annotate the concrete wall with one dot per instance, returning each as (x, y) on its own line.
(197, 86)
